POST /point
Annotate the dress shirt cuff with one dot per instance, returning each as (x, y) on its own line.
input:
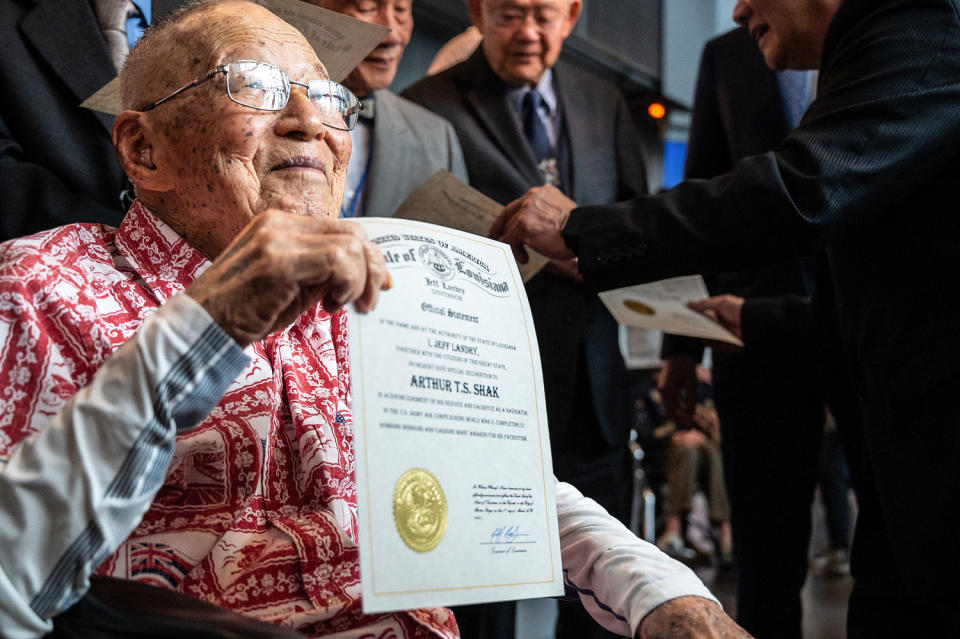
(620, 578)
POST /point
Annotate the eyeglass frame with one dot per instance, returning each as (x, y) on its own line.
(224, 69)
(543, 24)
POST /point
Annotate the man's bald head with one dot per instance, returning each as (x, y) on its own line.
(206, 163)
(184, 45)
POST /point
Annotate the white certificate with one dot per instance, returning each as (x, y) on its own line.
(663, 306)
(454, 479)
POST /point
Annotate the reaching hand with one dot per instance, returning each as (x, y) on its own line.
(535, 219)
(690, 618)
(567, 269)
(725, 309)
(678, 388)
(280, 265)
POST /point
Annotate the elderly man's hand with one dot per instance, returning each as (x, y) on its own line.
(282, 264)
(535, 219)
(690, 618)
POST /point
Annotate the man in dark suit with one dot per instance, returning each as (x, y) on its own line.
(870, 173)
(580, 137)
(771, 416)
(56, 160)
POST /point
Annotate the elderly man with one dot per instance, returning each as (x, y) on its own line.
(176, 405)
(397, 144)
(871, 173)
(524, 121)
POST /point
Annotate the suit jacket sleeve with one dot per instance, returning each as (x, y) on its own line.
(770, 323)
(861, 146)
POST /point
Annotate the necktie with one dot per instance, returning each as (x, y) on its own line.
(533, 127)
(112, 17)
(795, 92)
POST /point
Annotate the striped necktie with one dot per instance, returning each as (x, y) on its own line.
(533, 128)
(112, 17)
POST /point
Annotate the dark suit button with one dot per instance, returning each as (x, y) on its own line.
(640, 248)
(602, 259)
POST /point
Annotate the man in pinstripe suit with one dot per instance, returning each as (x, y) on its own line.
(870, 173)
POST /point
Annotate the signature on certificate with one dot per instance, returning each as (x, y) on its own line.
(507, 539)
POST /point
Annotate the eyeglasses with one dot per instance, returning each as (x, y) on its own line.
(510, 16)
(262, 86)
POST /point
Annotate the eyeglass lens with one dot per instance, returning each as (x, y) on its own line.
(264, 86)
(257, 85)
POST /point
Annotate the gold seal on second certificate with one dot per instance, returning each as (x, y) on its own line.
(639, 307)
(420, 510)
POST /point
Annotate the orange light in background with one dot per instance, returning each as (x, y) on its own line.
(656, 110)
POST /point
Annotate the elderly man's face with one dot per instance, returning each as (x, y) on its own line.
(523, 38)
(790, 33)
(233, 161)
(380, 67)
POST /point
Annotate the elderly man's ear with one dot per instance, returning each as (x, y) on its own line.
(134, 142)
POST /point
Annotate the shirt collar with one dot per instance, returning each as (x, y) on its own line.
(146, 8)
(544, 87)
(165, 262)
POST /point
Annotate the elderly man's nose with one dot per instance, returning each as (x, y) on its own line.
(300, 117)
(741, 12)
(387, 17)
(529, 30)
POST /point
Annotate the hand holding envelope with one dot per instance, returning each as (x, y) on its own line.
(665, 306)
(724, 309)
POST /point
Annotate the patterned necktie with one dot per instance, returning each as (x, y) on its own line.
(112, 16)
(533, 127)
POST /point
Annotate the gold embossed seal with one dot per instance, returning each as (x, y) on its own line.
(639, 307)
(420, 510)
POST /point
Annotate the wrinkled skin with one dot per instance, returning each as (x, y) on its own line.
(690, 618)
(523, 38)
(264, 183)
(378, 69)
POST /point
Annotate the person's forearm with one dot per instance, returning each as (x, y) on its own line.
(620, 578)
(76, 489)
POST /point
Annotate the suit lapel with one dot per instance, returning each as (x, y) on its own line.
(67, 36)
(381, 191)
(581, 130)
(486, 95)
